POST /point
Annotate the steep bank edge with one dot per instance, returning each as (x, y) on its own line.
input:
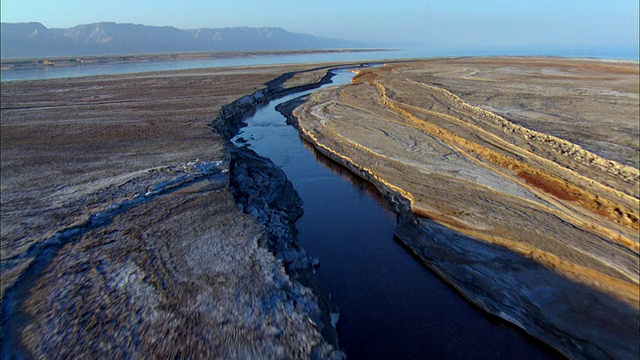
(496, 271)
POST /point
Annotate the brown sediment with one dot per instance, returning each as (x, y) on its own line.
(561, 188)
(566, 191)
(538, 178)
(548, 185)
(523, 186)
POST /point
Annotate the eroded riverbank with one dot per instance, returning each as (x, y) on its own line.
(390, 306)
(171, 268)
(415, 145)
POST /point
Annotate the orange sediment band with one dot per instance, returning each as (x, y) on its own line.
(624, 289)
(542, 180)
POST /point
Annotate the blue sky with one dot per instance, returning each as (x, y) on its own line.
(535, 23)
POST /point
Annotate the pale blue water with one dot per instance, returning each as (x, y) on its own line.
(112, 69)
(127, 68)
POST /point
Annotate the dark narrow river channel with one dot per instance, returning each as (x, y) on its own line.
(391, 306)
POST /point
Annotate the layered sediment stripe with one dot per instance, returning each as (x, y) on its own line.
(562, 193)
(563, 188)
(628, 292)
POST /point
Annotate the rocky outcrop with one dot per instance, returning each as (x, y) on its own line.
(262, 190)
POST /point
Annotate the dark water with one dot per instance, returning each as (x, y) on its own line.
(391, 306)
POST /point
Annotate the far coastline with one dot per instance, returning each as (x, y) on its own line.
(26, 63)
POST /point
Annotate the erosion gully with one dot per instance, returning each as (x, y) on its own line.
(390, 305)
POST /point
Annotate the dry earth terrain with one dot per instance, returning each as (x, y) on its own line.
(520, 179)
(515, 178)
(120, 237)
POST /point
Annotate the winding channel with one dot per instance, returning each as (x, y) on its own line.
(391, 306)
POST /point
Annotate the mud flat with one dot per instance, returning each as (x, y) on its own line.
(516, 180)
(120, 235)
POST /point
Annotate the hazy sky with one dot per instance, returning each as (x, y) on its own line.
(578, 23)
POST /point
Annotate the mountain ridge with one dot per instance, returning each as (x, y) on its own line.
(33, 39)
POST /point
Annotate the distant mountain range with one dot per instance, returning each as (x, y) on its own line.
(107, 38)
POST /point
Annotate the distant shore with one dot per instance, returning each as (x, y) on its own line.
(67, 61)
